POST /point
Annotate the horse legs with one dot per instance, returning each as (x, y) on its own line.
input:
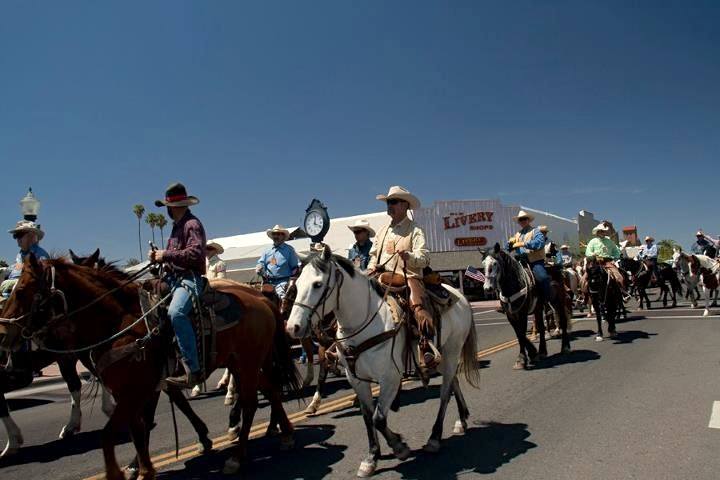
(449, 377)
(364, 393)
(278, 416)
(314, 405)
(598, 318)
(519, 324)
(176, 396)
(706, 294)
(308, 347)
(247, 401)
(231, 394)
(540, 326)
(69, 373)
(388, 390)
(15, 438)
(564, 320)
(463, 412)
(127, 411)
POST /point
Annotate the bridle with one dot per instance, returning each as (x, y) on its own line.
(327, 292)
(522, 293)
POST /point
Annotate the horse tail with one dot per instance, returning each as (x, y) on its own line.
(284, 371)
(469, 365)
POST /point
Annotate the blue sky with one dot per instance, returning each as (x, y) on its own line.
(612, 107)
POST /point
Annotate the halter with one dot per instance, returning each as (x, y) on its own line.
(522, 293)
(325, 295)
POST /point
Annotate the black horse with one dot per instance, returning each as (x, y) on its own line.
(641, 276)
(520, 296)
(606, 298)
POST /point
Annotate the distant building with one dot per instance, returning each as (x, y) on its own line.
(630, 234)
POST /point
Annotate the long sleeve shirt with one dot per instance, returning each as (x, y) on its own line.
(186, 245)
(36, 250)
(648, 252)
(360, 254)
(405, 236)
(215, 268)
(602, 247)
(279, 263)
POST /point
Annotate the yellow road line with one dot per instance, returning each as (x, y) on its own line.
(185, 453)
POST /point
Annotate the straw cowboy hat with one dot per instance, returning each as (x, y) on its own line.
(215, 246)
(523, 214)
(544, 229)
(401, 194)
(649, 238)
(362, 224)
(600, 228)
(27, 226)
(564, 247)
(176, 196)
(278, 229)
(624, 243)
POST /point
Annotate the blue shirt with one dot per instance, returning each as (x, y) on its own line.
(363, 253)
(537, 241)
(39, 253)
(648, 252)
(279, 262)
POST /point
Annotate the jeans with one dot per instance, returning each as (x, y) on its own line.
(543, 279)
(281, 288)
(179, 311)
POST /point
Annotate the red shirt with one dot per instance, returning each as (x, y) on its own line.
(186, 245)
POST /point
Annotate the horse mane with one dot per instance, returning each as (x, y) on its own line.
(109, 275)
(317, 261)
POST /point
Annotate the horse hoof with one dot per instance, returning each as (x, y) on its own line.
(402, 452)
(599, 338)
(233, 434)
(68, 432)
(132, 473)
(195, 391)
(706, 313)
(206, 445)
(311, 409)
(229, 401)
(232, 466)
(432, 446)
(9, 451)
(272, 431)
(459, 427)
(519, 365)
(287, 443)
(367, 468)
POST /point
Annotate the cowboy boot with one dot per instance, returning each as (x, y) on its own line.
(187, 380)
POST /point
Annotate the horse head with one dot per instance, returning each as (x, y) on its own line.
(93, 261)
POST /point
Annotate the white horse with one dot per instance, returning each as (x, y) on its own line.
(681, 263)
(372, 346)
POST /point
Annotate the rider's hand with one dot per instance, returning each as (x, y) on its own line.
(518, 244)
(404, 254)
(258, 268)
(156, 256)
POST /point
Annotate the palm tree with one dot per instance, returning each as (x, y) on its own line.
(161, 222)
(151, 219)
(139, 211)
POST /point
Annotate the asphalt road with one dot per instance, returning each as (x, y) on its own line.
(636, 407)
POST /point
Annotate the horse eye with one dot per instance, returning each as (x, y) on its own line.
(317, 285)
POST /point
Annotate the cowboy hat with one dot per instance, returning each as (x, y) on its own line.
(362, 224)
(176, 196)
(600, 228)
(699, 233)
(278, 229)
(27, 226)
(564, 247)
(401, 194)
(215, 246)
(544, 229)
(523, 214)
(649, 238)
(624, 243)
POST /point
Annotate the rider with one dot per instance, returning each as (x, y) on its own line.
(604, 250)
(529, 242)
(402, 250)
(565, 257)
(359, 253)
(705, 245)
(185, 257)
(214, 267)
(280, 262)
(649, 253)
(28, 235)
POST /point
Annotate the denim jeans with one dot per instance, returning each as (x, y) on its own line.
(543, 279)
(281, 289)
(179, 311)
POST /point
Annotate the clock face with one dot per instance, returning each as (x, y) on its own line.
(314, 223)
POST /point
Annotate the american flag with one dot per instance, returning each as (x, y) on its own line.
(475, 274)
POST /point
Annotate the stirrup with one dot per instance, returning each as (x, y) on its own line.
(429, 364)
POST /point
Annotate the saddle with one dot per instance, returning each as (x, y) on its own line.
(395, 283)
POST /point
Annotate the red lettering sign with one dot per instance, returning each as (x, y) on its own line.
(470, 242)
(457, 220)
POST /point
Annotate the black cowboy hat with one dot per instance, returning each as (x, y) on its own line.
(176, 196)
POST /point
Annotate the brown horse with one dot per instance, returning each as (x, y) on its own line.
(58, 305)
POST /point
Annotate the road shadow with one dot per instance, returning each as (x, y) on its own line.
(483, 449)
(575, 356)
(311, 459)
(78, 444)
(630, 336)
(575, 334)
(15, 404)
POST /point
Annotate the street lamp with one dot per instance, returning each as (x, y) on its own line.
(29, 206)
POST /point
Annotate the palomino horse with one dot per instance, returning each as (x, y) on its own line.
(372, 346)
(606, 298)
(519, 299)
(59, 305)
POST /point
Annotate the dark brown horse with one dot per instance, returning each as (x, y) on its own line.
(58, 304)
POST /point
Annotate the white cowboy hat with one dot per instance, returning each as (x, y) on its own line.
(600, 228)
(544, 229)
(624, 243)
(362, 224)
(523, 214)
(27, 226)
(278, 229)
(564, 247)
(699, 233)
(176, 196)
(401, 194)
(215, 246)
(649, 238)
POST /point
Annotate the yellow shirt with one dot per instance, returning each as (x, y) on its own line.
(405, 236)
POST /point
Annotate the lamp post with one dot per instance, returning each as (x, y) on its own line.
(29, 206)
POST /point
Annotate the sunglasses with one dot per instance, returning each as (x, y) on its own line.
(19, 235)
(393, 201)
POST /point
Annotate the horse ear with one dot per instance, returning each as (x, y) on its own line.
(93, 259)
(327, 253)
(304, 259)
(496, 248)
(75, 259)
(32, 262)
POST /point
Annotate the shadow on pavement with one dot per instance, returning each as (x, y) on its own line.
(582, 334)
(483, 449)
(16, 404)
(312, 458)
(49, 452)
(630, 336)
(575, 356)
